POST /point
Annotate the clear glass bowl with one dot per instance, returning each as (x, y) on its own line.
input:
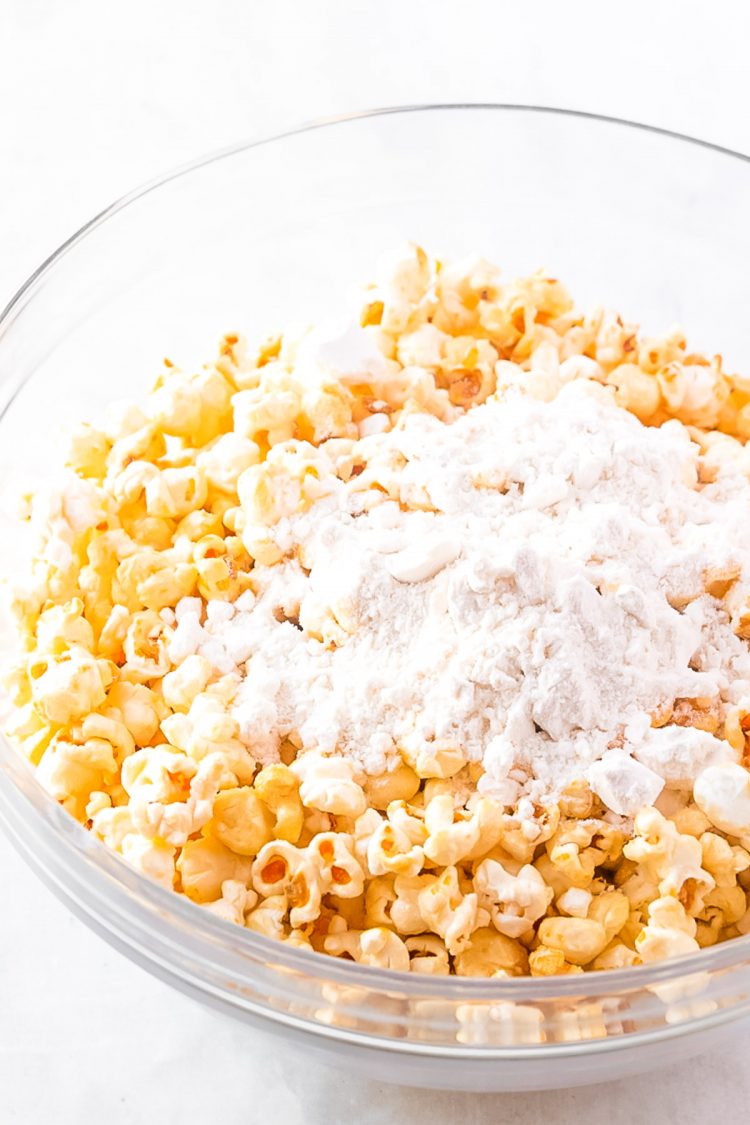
(252, 238)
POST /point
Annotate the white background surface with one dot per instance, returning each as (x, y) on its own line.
(94, 99)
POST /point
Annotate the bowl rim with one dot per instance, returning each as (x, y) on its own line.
(230, 939)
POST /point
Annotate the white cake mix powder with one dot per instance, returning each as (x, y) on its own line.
(552, 605)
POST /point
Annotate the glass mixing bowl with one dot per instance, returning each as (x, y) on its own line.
(269, 233)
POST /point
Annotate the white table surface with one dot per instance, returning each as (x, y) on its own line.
(94, 99)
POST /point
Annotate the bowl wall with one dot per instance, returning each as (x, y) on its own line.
(279, 233)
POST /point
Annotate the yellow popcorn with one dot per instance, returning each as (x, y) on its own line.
(139, 708)
(208, 730)
(390, 851)
(278, 789)
(71, 772)
(168, 585)
(175, 492)
(282, 868)
(515, 902)
(409, 819)
(344, 943)
(235, 903)
(328, 784)
(384, 949)
(62, 626)
(616, 955)
(402, 286)
(268, 410)
(88, 451)
(723, 860)
(225, 460)
(112, 825)
(98, 801)
(67, 686)
(129, 483)
(204, 865)
(694, 393)
(169, 818)
(145, 648)
(432, 759)
(268, 917)
(398, 785)
(195, 407)
(341, 871)
(672, 860)
(547, 962)
(492, 954)
(574, 901)
(241, 821)
(188, 680)
(379, 897)
(724, 906)
(128, 716)
(612, 910)
(635, 391)
(405, 912)
(31, 732)
(448, 842)
(670, 931)
(521, 837)
(448, 912)
(580, 940)
(157, 773)
(427, 955)
(488, 816)
(110, 729)
(146, 443)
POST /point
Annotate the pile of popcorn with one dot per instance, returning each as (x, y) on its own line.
(133, 644)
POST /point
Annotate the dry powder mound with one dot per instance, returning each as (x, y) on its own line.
(553, 603)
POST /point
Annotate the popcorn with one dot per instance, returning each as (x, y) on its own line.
(448, 842)
(670, 858)
(66, 687)
(282, 868)
(515, 902)
(575, 902)
(448, 912)
(670, 932)
(157, 774)
(278, 789)
(341, 871)
(224, 462)
(427, 955)
(383, 948)
(241, 821)
(171, 820)
(580, 940)
(235, 902)
(491, 954)
(389, 850)
(328, 784)
(204, 865)
(148, 613)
